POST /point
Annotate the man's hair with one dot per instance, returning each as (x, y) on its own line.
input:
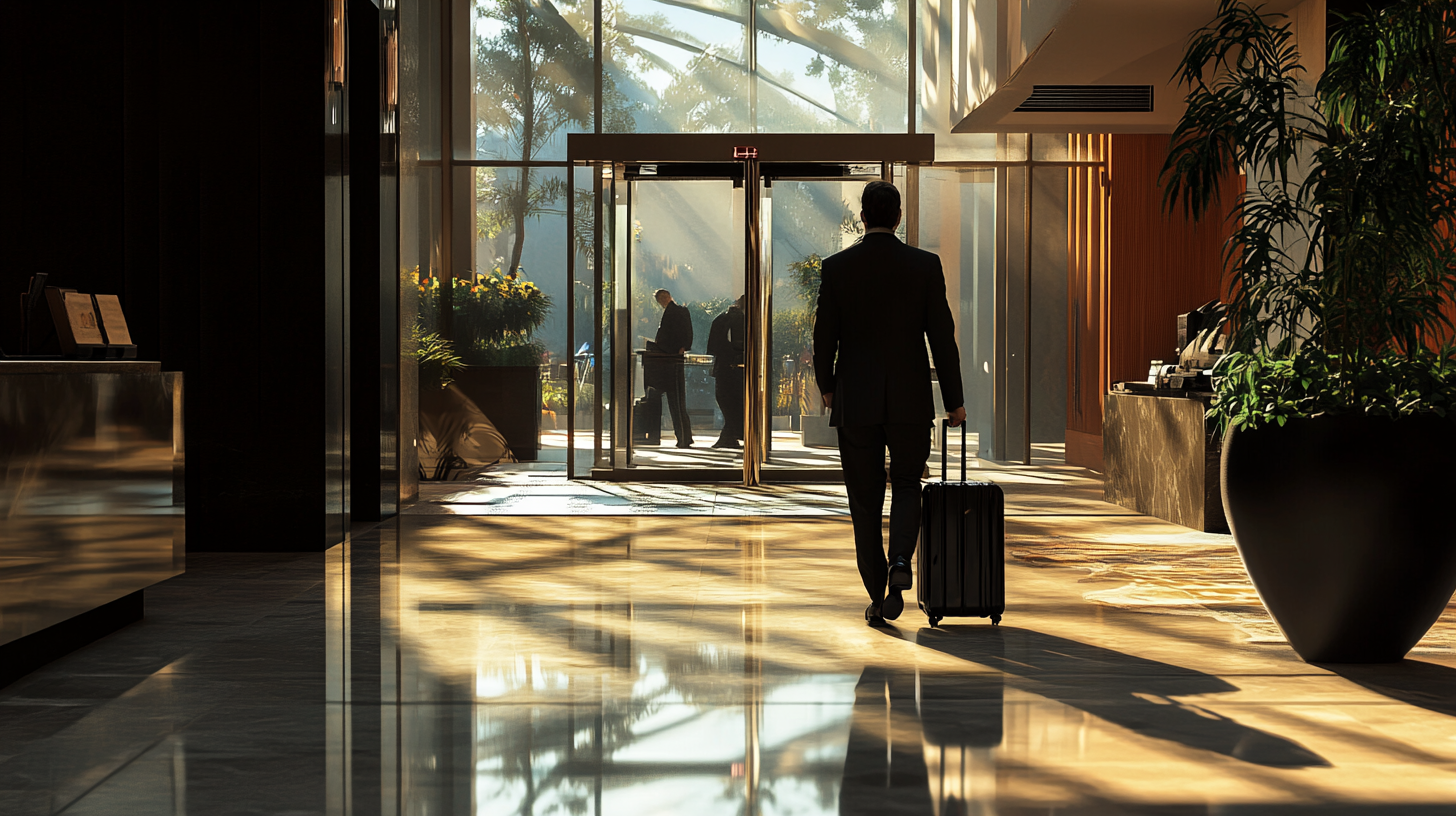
(880, 203)
(660, 292)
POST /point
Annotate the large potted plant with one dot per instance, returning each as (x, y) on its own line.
(1338, 443)
(493, 321)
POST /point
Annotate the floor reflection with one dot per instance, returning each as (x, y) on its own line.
(447, 666)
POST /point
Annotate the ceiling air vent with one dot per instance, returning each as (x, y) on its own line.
(1088, 99)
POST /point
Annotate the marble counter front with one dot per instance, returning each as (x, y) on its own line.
(88, 458)
(1162, 459)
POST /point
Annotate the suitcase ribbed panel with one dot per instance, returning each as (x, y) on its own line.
(962, 564)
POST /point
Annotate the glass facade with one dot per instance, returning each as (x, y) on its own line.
(501, 240)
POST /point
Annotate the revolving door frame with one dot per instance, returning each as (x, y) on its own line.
(750, 152)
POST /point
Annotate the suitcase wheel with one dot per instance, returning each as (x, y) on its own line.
(933, 621)
(995, 620)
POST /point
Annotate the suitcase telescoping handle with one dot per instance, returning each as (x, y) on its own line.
(945, 443)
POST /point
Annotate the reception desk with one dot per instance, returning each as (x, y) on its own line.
(89, 456)
(1162, 458)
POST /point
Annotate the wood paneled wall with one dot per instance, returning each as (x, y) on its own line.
(1160, 265)
(1139, 267)
(1087, 214)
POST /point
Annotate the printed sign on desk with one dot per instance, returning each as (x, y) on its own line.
(82, 314)
(75, 321)
(113, 322)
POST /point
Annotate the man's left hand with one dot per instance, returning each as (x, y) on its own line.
(829, 400)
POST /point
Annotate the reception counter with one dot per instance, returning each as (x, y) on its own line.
(1162, 458)
(89, 454)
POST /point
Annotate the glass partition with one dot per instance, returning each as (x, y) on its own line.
(495, 289)
(678, 283)
(806, 221)
(826, 66)
(958, 222)
(512, 47)
(674, 67)
(832, 66)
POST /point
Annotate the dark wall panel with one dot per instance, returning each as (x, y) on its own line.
(373, 279)
(140, 210)
(63, 210)
(251, 246)
(179, 176)
(196, 163)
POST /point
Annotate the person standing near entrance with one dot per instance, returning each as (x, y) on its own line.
(674, 338)
(726, 342)
(879, 301)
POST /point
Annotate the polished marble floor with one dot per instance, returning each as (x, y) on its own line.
(447, 663)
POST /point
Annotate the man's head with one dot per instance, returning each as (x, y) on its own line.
(663, 297)
(880, 205)
(739, 302)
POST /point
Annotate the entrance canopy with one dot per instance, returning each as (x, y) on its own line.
(913, 148)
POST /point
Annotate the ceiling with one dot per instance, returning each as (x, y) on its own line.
(1107, 42)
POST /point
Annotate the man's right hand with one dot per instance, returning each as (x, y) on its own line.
(956, 417)
(829, 400)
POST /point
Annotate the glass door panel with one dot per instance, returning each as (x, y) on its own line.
(957, 221)
(684, 239)
(806, 221)
(810, 213)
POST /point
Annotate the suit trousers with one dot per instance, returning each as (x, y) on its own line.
(728, 390)
(677, 402)
(862, 455)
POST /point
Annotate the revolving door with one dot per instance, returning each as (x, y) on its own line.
(705, 253)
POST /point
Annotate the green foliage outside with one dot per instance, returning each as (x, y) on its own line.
(1343, 254)
(553, 396)
(793, 338)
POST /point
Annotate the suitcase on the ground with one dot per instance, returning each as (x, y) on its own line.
(647, 419)
(961, 570)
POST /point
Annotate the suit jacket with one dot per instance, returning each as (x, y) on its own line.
(878, 302)
(726, 341)
(676, 329)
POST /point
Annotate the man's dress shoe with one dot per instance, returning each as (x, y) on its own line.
(900, 577)
(893, 605)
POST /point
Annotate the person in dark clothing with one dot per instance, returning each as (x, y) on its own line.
(726, 342)
(675, 338)
(879, 301)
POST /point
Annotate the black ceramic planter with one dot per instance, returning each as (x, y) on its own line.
(1345, 525)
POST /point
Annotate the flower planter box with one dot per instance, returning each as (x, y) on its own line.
(510, 396)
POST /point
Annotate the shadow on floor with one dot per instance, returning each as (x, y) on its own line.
(1129, 691)
(1427, 685)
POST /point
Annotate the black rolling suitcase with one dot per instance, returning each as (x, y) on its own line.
(647, 418)
(961, 569)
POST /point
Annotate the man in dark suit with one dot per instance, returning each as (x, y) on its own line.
(726, 342)
(879, 301)
(674, 338)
